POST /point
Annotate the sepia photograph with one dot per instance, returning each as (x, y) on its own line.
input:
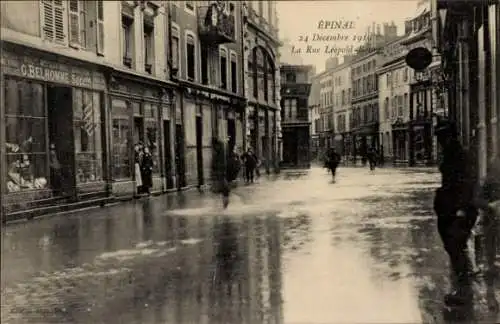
(250, 162)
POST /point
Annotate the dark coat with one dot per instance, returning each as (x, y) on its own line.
(233, 166)
(332, 159)
(250, 160)
(457, 184)
(147, 170)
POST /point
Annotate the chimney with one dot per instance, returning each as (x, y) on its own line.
(373, 28)
(378, 29)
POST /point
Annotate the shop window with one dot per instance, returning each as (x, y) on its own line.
(88, 137)
(152, 138)
(191, 58)
(25, 136)
(120, 138)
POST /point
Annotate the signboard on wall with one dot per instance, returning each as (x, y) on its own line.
(44, 70)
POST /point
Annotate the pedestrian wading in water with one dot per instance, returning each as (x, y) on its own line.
(332, 161)
(220, 184)
(455, 210)
(250, 161)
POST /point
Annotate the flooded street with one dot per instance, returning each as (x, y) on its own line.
(297, 249)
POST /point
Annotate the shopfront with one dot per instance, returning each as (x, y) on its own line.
(399, 141)
(140, 115)
(52, 127)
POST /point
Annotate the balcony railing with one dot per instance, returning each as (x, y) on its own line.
(215, 26)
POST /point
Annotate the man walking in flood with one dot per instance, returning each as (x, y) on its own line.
(250, 162)
(219, 171)
(455, 210)
(332, 161)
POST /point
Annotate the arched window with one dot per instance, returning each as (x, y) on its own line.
(269, 94)
(260, 62)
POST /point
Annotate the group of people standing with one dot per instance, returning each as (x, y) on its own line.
(143, 169)
(226, 166)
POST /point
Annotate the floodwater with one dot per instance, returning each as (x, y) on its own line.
(296, 249)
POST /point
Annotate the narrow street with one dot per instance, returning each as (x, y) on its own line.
(297, 249)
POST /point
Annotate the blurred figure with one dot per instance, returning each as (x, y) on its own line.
(455, 209)
(233, 165)
(138, 154)
(147, 171)
(332, 161)
(372, 158)
(56, 176)
(250, 161)
(219, 171)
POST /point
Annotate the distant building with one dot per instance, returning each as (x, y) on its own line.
(341, 111)
(393, 97)
(295, 123)
(314, 116)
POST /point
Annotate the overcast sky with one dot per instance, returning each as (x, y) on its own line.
(300, 18)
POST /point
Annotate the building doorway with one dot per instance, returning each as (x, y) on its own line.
(138, 130)
(61, 139)
(168, 153)
(179, 156)
(199, 149)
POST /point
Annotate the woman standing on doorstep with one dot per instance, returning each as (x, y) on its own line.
(147, 171)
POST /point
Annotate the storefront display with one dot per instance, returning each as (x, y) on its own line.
(88, 136)
(25, 132)
(152, 138)
(121, 134)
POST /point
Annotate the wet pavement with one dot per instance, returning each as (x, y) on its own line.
(299, 249)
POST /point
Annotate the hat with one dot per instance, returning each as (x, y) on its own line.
(445, 127)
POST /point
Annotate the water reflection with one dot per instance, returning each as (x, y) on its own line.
(146, 267)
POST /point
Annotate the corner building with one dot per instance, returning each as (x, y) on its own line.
(262, 82)
(54, 94)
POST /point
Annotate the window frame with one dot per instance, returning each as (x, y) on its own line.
(175, 34)
(223, 54)
(233, 58)
(44, 152)
(128, 26)
(190, 39)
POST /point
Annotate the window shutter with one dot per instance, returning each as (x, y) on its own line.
(59, 21)
(74, 22)
(48, 19)
(100, 27)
